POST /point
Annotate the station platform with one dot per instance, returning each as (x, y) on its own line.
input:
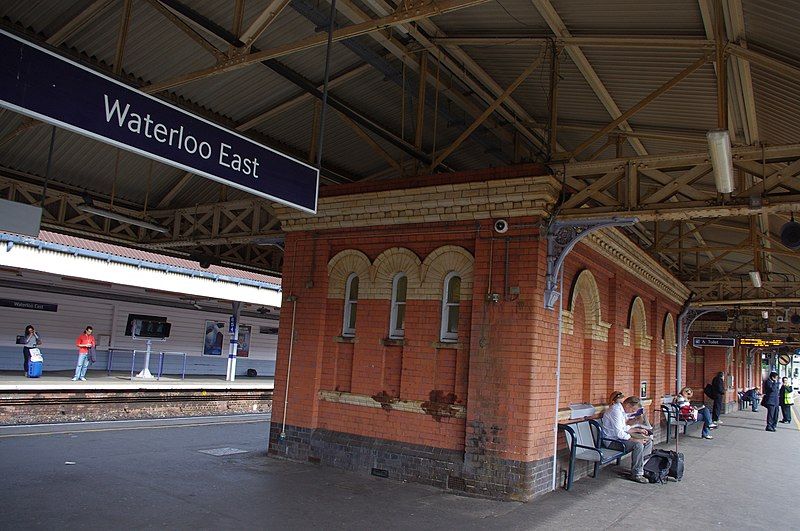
(213, 472)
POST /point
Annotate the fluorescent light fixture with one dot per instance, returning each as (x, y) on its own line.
(765, 314)
(719, 150)
(755, 278)
(120, 217)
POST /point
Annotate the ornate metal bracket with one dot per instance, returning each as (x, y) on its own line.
(562, 236)
(687, 319)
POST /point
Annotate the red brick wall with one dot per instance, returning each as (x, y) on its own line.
(504, 368)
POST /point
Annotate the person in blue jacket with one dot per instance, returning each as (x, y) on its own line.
(771, 400)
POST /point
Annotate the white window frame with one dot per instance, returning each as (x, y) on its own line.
(349, 306)
(444, 334)
(394, 331)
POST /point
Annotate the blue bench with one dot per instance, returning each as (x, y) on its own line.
(585, 442)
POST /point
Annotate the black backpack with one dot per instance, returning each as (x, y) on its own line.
(709, 391)
(676, 462)
(656, 469)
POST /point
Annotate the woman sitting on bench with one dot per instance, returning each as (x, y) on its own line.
(692, 413)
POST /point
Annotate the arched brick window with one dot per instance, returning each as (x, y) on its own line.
(451, 301)
(398, 312)
(350, 305)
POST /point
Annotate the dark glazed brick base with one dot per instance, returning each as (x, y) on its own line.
(405, 462)
(482, 476)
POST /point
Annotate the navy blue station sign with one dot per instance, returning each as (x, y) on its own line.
(714, 342)
(41, 84)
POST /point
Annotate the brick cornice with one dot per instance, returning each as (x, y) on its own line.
(514, 197)
(612, 244)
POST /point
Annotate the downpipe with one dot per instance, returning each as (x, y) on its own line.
(293, 300)
(558, 376)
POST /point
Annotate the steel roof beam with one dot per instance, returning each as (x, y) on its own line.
(551, 16)
(660, 42)
(408, 13)
(303, 83)
(321, 19)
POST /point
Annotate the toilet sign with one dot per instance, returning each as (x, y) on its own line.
(44, 85)
(714, 342)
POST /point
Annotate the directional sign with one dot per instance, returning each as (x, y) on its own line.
(714, 342)
(46, 86)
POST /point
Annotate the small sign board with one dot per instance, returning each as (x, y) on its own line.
(29, 305)
(714, 342)
(785, 359)
(232, 324)
(44, 85)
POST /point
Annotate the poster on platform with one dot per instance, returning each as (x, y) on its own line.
(244, 341)
(213, 339)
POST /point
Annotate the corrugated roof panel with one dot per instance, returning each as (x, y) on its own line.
(508, 15)
(630, 17)
(772, 26)
(631, 75)
(778, 107)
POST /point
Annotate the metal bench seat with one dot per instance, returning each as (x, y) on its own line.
(586, 442)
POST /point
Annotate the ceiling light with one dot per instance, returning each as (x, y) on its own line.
(755, 278)
(765, 314)
(122, 218)
(719, 150)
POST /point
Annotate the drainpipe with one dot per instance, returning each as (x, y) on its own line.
(558, 375)
(681, 344)
(293, 300)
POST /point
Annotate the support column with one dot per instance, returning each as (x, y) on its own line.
(233, 348)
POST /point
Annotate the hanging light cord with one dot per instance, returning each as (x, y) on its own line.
(325, 85)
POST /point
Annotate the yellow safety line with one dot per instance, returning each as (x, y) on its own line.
(125, 429)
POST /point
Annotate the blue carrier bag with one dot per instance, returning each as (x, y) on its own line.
(35, 365)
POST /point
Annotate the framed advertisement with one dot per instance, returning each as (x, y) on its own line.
(244, 341)
(213, 338)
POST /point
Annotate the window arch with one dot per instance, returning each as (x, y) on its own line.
(350, 305)
(451, 299)
(398, 311)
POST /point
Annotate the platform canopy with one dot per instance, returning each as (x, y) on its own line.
(614, 98)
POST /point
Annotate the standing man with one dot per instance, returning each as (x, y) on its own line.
(635, 440)
(787, 399)
(718, 385)
(85, 343)
(771, 399)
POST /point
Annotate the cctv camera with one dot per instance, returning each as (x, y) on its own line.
(501, 226)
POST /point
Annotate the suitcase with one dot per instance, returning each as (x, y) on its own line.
(676, 462)
(34, 369)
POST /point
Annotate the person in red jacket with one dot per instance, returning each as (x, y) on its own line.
(85, 344)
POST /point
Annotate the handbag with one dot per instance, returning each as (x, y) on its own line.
(688, 413)
(92, 357)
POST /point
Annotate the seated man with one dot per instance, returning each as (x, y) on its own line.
(755, 397)
(635, 440)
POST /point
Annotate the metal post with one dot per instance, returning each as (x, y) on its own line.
(160, 365)
(233, 347)
(145, 373)
(558, 376)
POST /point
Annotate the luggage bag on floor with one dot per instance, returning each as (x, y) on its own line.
(35, 365)
(676, 462)
(34, 369)
(657, 468)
